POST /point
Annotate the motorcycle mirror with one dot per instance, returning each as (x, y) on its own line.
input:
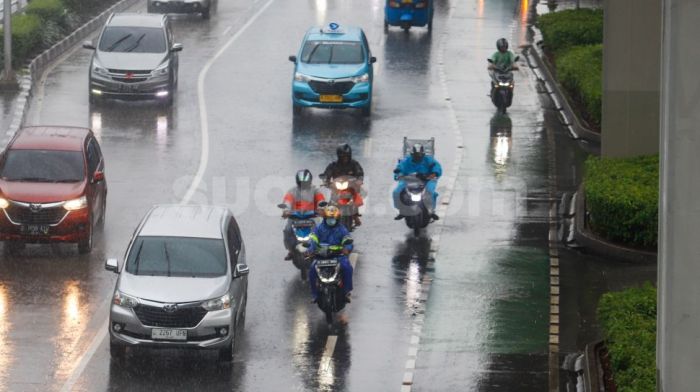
(282, 206)
(348, 241)
(323, 204)
(516, 58)
(322, 176)
(490, 61)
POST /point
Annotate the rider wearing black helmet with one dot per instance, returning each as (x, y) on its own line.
(346, 166)
(502, 59)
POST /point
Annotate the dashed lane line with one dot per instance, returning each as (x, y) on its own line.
(204, 157)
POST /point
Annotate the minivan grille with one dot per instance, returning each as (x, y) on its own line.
(43, 216)
(339, 88)
(153, 316)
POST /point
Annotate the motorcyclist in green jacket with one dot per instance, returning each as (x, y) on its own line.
(503, 59)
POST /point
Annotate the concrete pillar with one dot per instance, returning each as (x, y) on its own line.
(631, 77)
(678, 338)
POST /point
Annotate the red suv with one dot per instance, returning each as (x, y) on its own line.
(52, 187)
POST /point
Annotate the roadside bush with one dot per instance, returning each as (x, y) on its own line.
(50, 11)
(26, 37)
(86, 8)
(622, 197)
(564, 29)
(580, 71)
(628, 319)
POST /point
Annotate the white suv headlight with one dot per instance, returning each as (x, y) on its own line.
(364, 78)
(300, 77)
(75, 204)
(99, 69)
(124, 300)
(163, 70)
(218, 303)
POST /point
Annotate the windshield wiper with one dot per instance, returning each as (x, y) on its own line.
(33, 179)
(117, 42)
(167, 256)
(136, 44)
(138, 258)
(311, 55)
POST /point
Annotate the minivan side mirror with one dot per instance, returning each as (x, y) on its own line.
(99, 176)
(88, 45)
(242, 269)
(112, 265)
(372, 60)
(293, 59)
(177, 47)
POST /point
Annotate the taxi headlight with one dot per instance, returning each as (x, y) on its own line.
(4, 203)
(364, 78)
(300, 77)
(218, 303)
(124, 300)
(75, 204)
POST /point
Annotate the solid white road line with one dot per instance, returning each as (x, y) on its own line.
(204, 124)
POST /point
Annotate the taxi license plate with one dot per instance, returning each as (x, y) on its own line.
(331, 98)
(35, 229)
(168, 334)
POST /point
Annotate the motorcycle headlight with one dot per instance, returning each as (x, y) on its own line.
(504, 84)
(300, 77)
(4, 203)
(218, 303)
(416, 197)
(303, 239)
(341, 185)
(75, 204)
(364, 78)
(124, 300)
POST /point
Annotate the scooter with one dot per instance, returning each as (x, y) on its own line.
(343, 191)
(414, 199)
(331, 297)
(303, 224)
(502, 85)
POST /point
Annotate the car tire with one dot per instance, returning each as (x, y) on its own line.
(206, 13)
(297, 109)
(116, 351)
(85, 244)
(367, 110)
(103, 213)
(386, 26)
(94, 101)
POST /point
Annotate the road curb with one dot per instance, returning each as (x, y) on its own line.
(545, 74)
(600, 246)
(38, 65)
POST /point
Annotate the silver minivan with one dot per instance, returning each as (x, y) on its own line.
(183, 282)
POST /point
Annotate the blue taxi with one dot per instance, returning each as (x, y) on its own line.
(333, 70)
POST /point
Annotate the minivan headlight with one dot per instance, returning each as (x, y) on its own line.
(163, 70)
(4, 203)
(364, 78)
(75, 204)
(218, 303)
(300, 77)
(99, 69)
(124, 300)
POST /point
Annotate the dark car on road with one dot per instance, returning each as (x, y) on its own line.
(181, 7)
(183, 283)
(135, 57)
(52, 187)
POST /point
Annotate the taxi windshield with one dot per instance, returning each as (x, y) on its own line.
(332, 52)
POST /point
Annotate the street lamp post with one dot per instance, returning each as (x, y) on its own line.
(8, 76)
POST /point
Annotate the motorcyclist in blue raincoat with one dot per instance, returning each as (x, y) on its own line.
(331, 233)
(422, 164)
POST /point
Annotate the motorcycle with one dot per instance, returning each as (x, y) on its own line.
(303, 224)
(502, 85)
(413, 202)
(343, 190)
(331, 297)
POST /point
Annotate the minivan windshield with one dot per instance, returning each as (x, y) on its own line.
(43, 166)
(120, 39)
(177, 256)
(332, 52)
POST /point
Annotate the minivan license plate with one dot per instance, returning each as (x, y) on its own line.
(168, 334)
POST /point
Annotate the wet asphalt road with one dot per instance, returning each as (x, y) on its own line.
(486, 318)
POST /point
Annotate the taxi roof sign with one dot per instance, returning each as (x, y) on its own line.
(333, 28)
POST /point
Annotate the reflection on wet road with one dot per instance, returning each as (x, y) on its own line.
(487, 309)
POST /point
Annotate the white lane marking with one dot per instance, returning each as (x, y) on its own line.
(325, 365)
(203, 120)
(102, 332)
(227, 30)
